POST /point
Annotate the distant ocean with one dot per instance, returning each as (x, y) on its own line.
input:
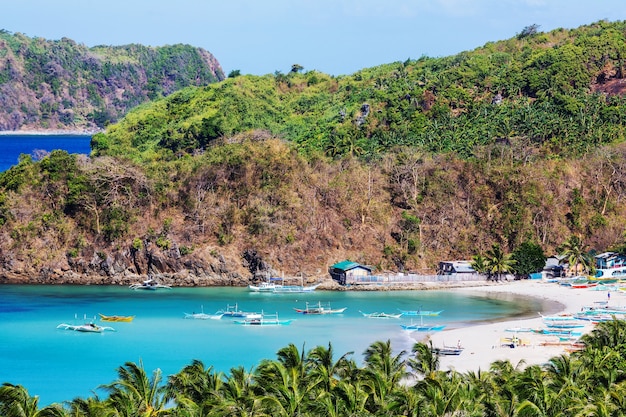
(12, 146)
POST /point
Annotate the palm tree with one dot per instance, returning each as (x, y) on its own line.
(479, 263)
(15, 401)
(383, 372)
(237, 396)
(324, 369)
(136, 394)
(498, 262)
(195, 384)
(575, 251)
(424, 362)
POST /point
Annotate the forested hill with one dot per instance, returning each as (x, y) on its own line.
(559, 92)
(63, 85)
(517, 144)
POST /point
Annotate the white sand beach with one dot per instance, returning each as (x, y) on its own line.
(483, 344)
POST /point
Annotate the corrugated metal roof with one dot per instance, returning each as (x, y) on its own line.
(346, 265)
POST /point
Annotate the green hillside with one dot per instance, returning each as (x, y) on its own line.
(63, 85)
(517, 144)
(555, 93)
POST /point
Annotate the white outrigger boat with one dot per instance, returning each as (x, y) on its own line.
(319, 309)
(262, 320)
(149, 284)
(87, 327)
(203, 316)
(381, 315)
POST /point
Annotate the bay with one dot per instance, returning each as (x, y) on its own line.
(60, 365)
(12, 146)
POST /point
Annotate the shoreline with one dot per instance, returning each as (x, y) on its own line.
(483, 344)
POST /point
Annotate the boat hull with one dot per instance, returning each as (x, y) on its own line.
(125, 319)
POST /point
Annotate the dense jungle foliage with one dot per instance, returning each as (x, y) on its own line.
(589, 382)
(48, 85)
(517, 144)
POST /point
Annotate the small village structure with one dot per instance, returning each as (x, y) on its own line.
(352, 273)
(349, 272)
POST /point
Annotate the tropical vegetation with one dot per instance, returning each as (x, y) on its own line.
(63, 85)
(589, 382)
(518, 142)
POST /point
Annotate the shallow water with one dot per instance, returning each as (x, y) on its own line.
(60, 365)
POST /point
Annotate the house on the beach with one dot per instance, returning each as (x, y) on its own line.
(555, 267)
(610, 265)
(455, 267)
(347, 270)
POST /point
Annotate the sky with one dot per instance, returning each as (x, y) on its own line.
(337, 37)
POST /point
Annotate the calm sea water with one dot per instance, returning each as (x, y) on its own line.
(60, 365)
(12, 146)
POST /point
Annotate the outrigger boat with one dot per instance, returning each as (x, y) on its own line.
(420, 312)
(271, 287)
(319, 309)
(233, 311)
(381, 315)
(116, 318)
(148, 284)
(447, 350)
(203, 316)
(88, 327)
(263, 320)
(85, 328)
(421, 327)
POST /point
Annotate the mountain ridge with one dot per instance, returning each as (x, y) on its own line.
(64, 85)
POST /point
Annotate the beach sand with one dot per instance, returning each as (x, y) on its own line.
(483, 344)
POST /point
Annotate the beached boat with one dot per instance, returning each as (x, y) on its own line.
(563, 324)
(263, 320)
(271, 287)
(319, 309)
(558, 332)
(116, 318)
(149, 284)
(381, 315)
(85, 328)
(421, 312)
(447, 350)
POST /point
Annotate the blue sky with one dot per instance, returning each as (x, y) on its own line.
(332, 36)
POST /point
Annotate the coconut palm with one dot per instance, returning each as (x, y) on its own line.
(135, 394)
(15, 401)
(92, 407)
(575, 251)
(479, 264)
(195, 382)
(497, 262)
(324, 369)
(424, 361)
(383, 372)
(194, 386)
(237, 396)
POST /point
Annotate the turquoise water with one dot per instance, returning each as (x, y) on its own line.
(12, 146)
(60, 365)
